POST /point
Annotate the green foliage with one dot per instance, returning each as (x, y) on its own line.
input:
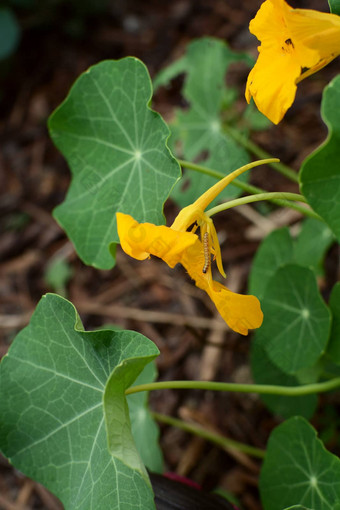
(296, 325)
(285, 342)
(116, 147)
(9, 33)
(298, 468)
(320, 172)
(65, 418)
(199, 128)
(266, 372)
(334, 6)
(296, 322)
(62, 403)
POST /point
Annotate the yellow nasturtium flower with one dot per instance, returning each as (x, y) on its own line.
(175, 244)
(295, 43)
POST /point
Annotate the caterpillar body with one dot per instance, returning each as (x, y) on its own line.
(206, 251)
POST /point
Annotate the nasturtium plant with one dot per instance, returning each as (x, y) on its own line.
(65, 419)
(116, 147)
(320, 172)
(74, 409)
(297, 322)
(298, 468)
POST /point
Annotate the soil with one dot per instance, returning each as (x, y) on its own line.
(60, 41)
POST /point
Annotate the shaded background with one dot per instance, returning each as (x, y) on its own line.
(59, 40)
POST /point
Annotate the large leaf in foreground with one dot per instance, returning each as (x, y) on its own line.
(297, 322)
(53, 419)
(116, 147)
(320, 173)
(298, 468)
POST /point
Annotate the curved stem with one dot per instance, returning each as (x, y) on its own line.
(249, 188)
(260, 153)
(255, 198)
(264, 389)
(213, 437)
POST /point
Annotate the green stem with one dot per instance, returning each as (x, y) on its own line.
(255, 198)
(213, 437)
(289, 391)
(260, 153)
(249, 188)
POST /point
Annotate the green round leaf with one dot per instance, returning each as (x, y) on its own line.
(116, 147)
(320, 172)
(265, 372)
(296, 322)
(297, 467)
(60, 386)
(9, 33)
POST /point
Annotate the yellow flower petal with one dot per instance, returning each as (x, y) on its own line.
(269, 24)
(272, 83)
(319, 31)
(139, 240)
(240, 312)
(291, 40)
